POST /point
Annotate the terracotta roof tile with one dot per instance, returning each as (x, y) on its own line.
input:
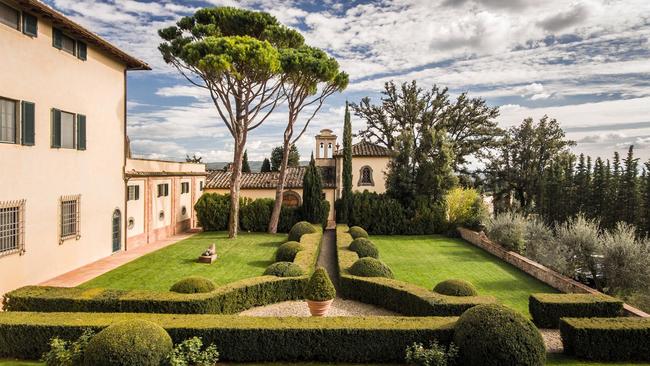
(365, 148)
(219, 179)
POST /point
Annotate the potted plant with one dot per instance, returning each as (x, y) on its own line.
(319, 292)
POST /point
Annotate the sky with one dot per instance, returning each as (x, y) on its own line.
(585, 63)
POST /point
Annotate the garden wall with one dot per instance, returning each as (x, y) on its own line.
(542, 273)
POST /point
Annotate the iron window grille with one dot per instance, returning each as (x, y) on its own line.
(70, 207)
(12, 227)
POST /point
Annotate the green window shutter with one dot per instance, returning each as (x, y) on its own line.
(30, 25)
(81, 132)
(82, 51)
(137, 193)
(166, 190)
(28, 119)
(56, 128)
(57, 38)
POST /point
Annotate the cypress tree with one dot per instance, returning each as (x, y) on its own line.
(346, 198)
(628, 196)
(599, 187)
(266, 166)
(581, 184)
(245, 167)
(645, 209)
(312, 193)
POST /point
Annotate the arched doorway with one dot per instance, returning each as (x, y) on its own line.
(291, 199)
(117, 230)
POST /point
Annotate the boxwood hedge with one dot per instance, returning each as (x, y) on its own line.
(547, 309)
(229, 299)
(342, 339)
(607, 339)
(401, 297)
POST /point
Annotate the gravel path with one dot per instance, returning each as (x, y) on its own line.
(553, 340)
(328, 258)
(339, 307)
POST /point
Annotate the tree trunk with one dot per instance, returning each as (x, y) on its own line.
(277, 206)
(235, 182)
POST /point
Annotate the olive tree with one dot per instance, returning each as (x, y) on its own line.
(310, 77)
(235, 55)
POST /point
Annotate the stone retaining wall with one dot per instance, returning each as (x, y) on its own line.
(542, 273)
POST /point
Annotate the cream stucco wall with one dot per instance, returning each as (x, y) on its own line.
(379, 166)
(136, 209)
(32, 70)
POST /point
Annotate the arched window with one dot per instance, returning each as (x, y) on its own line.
(329, 151)
(321, 151)
(290, 199)
(365, 176)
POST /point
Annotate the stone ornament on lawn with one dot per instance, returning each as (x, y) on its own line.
(209, 256)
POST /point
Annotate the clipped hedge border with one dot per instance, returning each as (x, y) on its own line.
(548, 309)
(341, 339)
(398, 296)
(607, 339)
(229, 299)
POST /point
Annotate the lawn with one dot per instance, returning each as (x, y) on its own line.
(426, 260)
(245, 257)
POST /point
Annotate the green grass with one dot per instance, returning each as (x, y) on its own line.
(245, 257)
(562, 360)
(427, 260)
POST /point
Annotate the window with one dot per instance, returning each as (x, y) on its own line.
(9, 16)
(163, 190)
(365, 177)
(70, 45)
(200, 185)
(68, 130)
(12, 224)
(185, 187)
(70, 217)
(8, 113)
(133, 193)
(290, 199)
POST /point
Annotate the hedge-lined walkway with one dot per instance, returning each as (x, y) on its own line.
(328, 257)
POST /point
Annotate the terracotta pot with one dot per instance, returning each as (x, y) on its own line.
(319, 308)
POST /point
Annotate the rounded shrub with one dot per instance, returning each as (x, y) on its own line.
(371, 267)
(358, 232)
(129, 343)
(494, 335)
(287, 251)
(283, 269)
(299, 229)
(364, 248)
(320, 287)
(193, 285)
(455, 288)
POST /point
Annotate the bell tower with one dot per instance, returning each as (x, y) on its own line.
(325, 145)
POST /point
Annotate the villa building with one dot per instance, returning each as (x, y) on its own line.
(369, 168)
(63, 149)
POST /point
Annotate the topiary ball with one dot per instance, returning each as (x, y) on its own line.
(299, 229)
(129, 343)
(320, 287)
(494, 335)
(455, 288)
(193, 285)
(364, 248)
(287, 251)
(371, 267)
(283, 269)
(358, 232)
